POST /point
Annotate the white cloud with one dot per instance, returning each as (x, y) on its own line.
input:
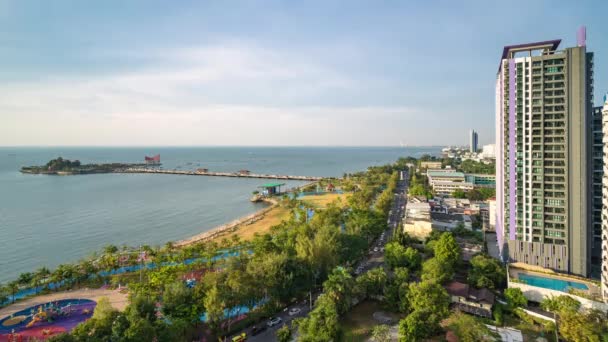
(230, 94)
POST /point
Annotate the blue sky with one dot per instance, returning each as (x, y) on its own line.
(268, 73)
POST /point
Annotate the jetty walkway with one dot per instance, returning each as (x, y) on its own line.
(217, 174)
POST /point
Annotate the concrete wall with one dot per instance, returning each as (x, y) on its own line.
(537, 294)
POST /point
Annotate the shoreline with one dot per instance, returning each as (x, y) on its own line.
(234, 225)
(226, 228)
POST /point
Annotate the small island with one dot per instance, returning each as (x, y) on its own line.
(63, 167)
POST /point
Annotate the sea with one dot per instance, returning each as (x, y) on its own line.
(49, 220)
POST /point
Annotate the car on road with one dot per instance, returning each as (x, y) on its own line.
(274, 321)
(294, 311)
(239, 338)
(257, 329)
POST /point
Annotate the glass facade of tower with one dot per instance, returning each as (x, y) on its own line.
(598, 173)
(604, 232)
(544, 176)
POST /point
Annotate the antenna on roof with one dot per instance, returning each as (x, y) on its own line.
(581, 36)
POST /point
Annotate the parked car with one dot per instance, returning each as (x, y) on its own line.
(239, 338)
(274, 321)
(294, 311)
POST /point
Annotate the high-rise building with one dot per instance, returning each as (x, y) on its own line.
(597, 151)
(544, 153)
(473, 141)
(604, 279)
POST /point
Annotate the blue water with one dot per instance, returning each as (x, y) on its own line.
(48, 220)
(550, 283)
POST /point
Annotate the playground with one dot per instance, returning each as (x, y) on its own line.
(45, 320)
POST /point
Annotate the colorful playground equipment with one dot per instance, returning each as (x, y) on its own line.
(46, 320)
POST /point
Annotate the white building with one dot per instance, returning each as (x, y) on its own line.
(417, 220)
(489, 151)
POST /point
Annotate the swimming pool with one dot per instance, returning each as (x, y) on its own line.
(551, 283)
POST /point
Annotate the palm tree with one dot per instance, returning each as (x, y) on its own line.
(13, 287)
(25, 278)
(41, 274)
(3, 294)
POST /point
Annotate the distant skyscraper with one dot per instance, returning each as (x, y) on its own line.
(473, 141)
(544, 155)
(605, 202)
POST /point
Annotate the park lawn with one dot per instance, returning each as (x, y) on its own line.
(272, 218)
(321, 201)
(358, 323)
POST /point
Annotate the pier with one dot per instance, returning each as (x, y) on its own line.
(217, 174)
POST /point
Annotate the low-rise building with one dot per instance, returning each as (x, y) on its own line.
(417, 220)
(444, 175)
(471, 300)
(481, 180)
(448, 222)
(430, 165)
(447, 188)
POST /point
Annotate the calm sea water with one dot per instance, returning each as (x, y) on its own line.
(48, 220)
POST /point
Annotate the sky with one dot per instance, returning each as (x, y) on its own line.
(290, 73)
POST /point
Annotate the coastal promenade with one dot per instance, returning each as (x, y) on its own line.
(217, 174)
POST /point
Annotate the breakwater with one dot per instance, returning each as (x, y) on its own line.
(217, 174)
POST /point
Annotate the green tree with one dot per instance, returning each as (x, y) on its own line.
(588, 326)
(39, 276)
(63, 337)
(140, 329)
(177, 301)
(3, 294)
(99, 327)
(372, 282)
(429, 296)
(25, 279)
(283, 334)
(322, 324)
(435, 270)
(458, 193)
(468, 329)
(486, 272)
(560, 304)
(418, 325)
(515, 298)
(474, 195)
(394, 255)
(318, 249)
(446, 249)
(340, 287)
(381, 333)
(13, 288)
(214, 307)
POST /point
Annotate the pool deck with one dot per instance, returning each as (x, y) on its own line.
(515, 269)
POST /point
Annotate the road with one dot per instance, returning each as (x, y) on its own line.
(374, 259)
(376, 253)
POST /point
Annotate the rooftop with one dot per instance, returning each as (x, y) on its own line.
(464, 290)
(550, 45)
(445, 174)
(271, 185)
